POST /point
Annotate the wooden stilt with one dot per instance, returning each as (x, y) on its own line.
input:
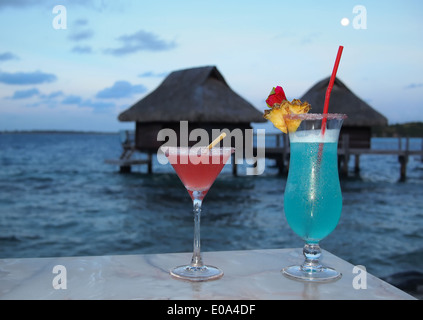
(150, 162)
(234, 166)
(403, 159)
(403, 167)
(346, 158)
(357, 164)
(421, 155)
(125, 169)
(280, 164)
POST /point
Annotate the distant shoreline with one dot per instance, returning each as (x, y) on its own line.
(409, 129)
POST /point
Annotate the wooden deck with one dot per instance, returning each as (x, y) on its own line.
(125, 161)
(126, 164)
(280, 152)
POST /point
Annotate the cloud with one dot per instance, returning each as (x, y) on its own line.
(121, 89)
(52, 95)
(72, 100)
(8, 56)
(151, 74)
(17, 3)
(97, 104)
(56, 98)
(24, 94)
(51, 99)
(81, 35)
(77, 100)
(81, 22)
(139, 41)
(25, 78)
(82, 49)
(414, 86)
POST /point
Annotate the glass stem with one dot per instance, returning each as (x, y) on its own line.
(197, 260)
(312, 253)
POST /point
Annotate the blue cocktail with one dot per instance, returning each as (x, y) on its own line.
(313, 198)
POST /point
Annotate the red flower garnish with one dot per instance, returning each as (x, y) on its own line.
(276, 96)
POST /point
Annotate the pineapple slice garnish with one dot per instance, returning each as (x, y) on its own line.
(278, 110)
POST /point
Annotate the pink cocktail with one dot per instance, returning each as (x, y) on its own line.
(197, 168)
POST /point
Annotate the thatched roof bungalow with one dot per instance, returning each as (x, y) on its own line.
(200, 96)
(361, 116)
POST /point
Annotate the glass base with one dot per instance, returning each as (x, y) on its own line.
(322, 274)
(191, 273)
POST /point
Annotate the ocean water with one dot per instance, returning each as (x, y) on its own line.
(59, 198)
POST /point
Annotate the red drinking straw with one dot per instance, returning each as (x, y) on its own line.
(329, 89)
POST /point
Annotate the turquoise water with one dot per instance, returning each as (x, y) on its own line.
(313, 199)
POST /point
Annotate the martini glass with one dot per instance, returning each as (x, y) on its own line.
(312, 198)
(197, 168)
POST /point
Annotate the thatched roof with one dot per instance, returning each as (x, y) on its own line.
(343, 100)
(197, 95)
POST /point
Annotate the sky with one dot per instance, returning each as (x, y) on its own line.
(77, 64)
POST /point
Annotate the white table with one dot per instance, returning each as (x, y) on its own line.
(252, 274)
